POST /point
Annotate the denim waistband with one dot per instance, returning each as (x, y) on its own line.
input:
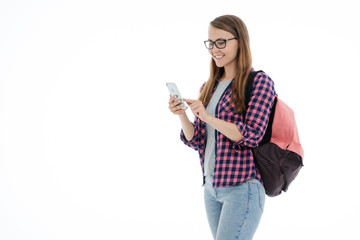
(209, 178)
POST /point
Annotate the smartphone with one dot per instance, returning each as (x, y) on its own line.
(174, 91)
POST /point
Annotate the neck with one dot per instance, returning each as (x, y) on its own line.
(229, 73)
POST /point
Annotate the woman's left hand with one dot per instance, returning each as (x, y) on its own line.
(198, 109)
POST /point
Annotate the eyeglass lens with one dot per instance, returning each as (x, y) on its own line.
(219, 44)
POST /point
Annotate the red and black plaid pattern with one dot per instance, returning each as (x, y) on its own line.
(234, 163)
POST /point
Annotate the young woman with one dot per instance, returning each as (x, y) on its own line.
(225, 130)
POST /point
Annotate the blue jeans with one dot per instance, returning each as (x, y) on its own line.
(234, 212)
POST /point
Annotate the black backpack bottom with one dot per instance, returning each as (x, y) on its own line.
(277, 167)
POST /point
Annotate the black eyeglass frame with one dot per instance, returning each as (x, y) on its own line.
(214, 43)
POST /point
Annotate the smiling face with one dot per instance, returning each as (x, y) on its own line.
(227, 56)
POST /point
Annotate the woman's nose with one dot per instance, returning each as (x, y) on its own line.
(214, 50)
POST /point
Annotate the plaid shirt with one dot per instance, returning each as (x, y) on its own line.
(234, 161)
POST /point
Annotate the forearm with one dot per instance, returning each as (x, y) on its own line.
(230, 130)
(187, 126)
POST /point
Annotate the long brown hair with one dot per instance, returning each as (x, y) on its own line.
(235, 26)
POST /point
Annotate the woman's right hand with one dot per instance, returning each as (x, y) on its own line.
(187, 126)
(176, 106)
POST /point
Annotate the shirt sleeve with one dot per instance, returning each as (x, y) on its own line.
(199, 130)
(195, 141)
(257, 114)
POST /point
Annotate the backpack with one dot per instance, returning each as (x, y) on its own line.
(279, 156)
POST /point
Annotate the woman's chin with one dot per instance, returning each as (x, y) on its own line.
(219, 64)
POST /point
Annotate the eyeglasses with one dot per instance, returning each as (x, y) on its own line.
(219, 43)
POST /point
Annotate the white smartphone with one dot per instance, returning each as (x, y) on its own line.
(174, 91)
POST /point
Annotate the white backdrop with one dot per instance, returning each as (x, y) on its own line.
(89, 149)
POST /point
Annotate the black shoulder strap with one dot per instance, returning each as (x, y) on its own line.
(248, 91)
(249, 86)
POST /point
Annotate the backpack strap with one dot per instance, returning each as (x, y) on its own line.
(249, 86)
(248, 91)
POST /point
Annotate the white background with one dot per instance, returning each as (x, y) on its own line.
(89, 149)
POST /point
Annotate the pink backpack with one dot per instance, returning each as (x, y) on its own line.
(279, 156)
